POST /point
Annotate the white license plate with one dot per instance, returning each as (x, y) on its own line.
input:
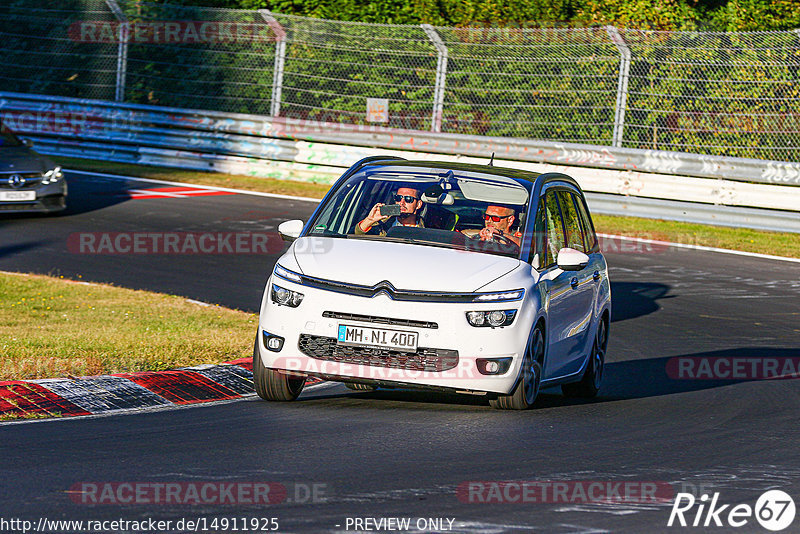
(18, 196)
(377, 337)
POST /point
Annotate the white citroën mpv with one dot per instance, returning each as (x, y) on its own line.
(487, 280)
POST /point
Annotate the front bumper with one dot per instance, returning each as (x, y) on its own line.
(49, 198)
(449, 346)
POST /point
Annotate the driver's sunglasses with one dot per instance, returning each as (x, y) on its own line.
(408, 198)
(495, 218)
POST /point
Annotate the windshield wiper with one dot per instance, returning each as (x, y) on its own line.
(414, 241)
(331, 234)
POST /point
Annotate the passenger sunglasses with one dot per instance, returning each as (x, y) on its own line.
(495, 218)
(409, 199)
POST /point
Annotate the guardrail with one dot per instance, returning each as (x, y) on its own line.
(286, 148)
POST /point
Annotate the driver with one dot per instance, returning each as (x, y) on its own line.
(498, 221)
(410, 204)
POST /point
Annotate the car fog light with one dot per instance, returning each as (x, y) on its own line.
(272, 342)
(494, 366)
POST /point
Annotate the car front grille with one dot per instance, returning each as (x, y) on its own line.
(425, 359)
(32, 179)
(379, 320)
(386, 288)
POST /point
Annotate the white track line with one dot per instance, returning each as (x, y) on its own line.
(184, 184)
(612, 236)
(701, 247)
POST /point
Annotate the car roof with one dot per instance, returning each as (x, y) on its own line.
(528, 179)
(518, 175)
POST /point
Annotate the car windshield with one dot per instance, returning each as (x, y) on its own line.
(482, 213)
(7, 138)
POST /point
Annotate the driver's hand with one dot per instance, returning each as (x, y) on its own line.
(490, 234)
(375, 215)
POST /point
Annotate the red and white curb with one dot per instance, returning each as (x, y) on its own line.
(53, 397)
(172, 192)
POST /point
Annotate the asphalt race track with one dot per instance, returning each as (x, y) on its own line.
(402, 454)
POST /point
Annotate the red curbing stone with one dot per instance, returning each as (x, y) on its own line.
(20, 399)
(181, 387)
(107, 393)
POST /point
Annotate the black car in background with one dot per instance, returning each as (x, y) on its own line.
(29, 182)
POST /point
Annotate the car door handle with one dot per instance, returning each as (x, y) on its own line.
(574, 282)
(596, 276)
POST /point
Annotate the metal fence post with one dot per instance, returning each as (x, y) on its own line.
(122, 49)
(441, 74)
(622, 84)
(280, 58)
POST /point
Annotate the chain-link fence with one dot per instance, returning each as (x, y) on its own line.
(39, 55)
(734, 94)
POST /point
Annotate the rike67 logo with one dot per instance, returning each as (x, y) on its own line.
(774, 510)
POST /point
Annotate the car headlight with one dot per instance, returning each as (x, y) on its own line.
(500, 296)
(52, 176)
(286, 274)
(492, 318)
(285, 297)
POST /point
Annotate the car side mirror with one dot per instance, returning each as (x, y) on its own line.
(290, 230)
(569, 259)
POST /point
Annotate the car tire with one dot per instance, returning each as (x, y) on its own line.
(593, 376)
(527, 389)
(273, 385)
(359, 387)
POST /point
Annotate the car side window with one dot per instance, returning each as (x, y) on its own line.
(572, 223)
(586, 222)
(539, 248)
(555, 229)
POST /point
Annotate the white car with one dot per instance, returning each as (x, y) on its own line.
(455, 277)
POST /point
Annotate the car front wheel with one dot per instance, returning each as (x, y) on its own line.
(273, 385)
(527, 389)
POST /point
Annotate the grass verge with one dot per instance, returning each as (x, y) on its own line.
(51, 327)
(775, 243)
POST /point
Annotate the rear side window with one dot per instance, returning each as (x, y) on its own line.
(572, 222)
(589, 236)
